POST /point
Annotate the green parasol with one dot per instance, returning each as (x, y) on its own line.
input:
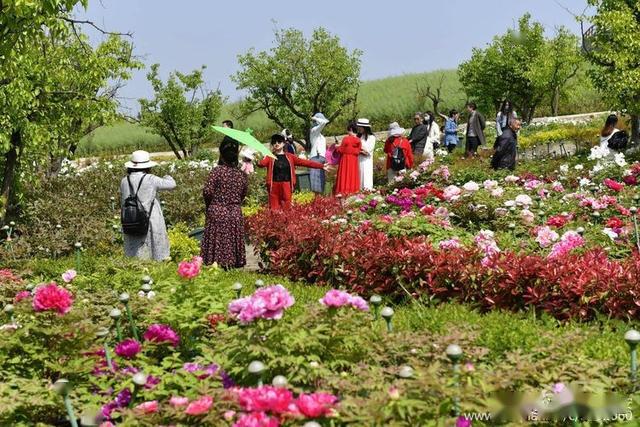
(245, 138)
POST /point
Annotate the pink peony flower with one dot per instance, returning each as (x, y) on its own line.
(200, 406)
(228, 415)
(265, 303)
(161, 334)
(147, 407)
(257, 419)
(463, 422)
(128, 348)
(69, 275)
(490, 184)
(449, 244)
(532, 184)
(52, 297)
(394, 393)
(359, 303)
(451, 193)
(497, 192)
(527, 216)
(471, 186)
(335, 298)
(190, 269)
(21, 296)
(315, 405)
(546, 236)
(569, 241)
(178, 401)
(265, 398)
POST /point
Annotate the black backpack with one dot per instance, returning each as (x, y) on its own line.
(133, 215)
(618, 141)
(397, 159)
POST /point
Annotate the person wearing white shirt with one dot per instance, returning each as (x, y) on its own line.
(317, 153)
(433, 135)
(365, 158)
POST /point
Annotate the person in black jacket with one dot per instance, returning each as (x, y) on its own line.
(418, 135)
(506, 147)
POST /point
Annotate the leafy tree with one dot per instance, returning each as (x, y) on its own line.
(300, 77)
(614, 49)
(557, 64)
(23, 21)
(522, 66)
(55, 91)
(182, 110)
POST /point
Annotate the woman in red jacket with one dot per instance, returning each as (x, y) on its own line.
(281, 173)
(348, 176)
(399, 152)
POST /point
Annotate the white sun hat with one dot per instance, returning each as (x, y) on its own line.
(363, 123)
(140, 160)
(395, 129)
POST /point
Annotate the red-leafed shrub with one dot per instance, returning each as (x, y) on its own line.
(367, 261)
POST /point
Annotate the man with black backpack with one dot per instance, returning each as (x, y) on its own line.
(143, 226)
(399, 152)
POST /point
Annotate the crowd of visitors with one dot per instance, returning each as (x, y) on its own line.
(223, 242)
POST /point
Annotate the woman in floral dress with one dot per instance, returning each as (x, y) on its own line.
(224, 192)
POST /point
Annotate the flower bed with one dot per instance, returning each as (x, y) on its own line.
(565, 243)
(198, 353)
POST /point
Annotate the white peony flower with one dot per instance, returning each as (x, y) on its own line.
(584, 182)
(619, 160)
(471, 186)
(523, 200)
(564, 168)
(578, 167)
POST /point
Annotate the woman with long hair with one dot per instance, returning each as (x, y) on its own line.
(433, 135)
(224, 193)
(610, 128)
(365, 159)
(348, 176)
(505, 116)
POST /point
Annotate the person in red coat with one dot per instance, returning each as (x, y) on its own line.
(396, 139)
(281, 173)
(348, 176)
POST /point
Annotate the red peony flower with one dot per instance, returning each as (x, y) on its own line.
(52, 297)
(615, 222)
(614, 185)
(630, 180)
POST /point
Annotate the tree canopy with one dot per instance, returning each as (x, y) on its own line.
(615, 53)
(522, 66)
(300, 77)
(182, 110)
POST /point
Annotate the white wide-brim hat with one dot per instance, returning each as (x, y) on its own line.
(140, 160)
(363, 123)
(395, 129)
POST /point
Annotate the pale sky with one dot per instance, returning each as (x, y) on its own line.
(397, 37)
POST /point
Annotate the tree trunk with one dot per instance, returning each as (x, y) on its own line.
(8, 177)
(635, 131)
(555, 102)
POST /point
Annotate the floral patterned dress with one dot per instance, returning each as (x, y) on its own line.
(223, 240)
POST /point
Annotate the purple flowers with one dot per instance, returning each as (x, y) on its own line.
(336, 298)
(128, 348)
(159, 333)
(265, 303)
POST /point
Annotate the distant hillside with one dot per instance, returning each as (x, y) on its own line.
(381, 101)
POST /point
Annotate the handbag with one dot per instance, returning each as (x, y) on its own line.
(332, 156)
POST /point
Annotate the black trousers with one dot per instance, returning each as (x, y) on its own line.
(473, 142)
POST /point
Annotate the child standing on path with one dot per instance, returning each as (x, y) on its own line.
(281, 173)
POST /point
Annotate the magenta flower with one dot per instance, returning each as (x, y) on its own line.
(128, 348)
(52, 297)
(256, 419)
(265, 398)
(161, 334)
(190, 269)
(463, 422)
(21, 296)
(316, 405)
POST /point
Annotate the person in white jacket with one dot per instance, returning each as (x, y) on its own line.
(365, 159)
(433, 135)
(318, 151)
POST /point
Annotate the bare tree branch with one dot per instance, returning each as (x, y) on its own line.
(87, 22)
